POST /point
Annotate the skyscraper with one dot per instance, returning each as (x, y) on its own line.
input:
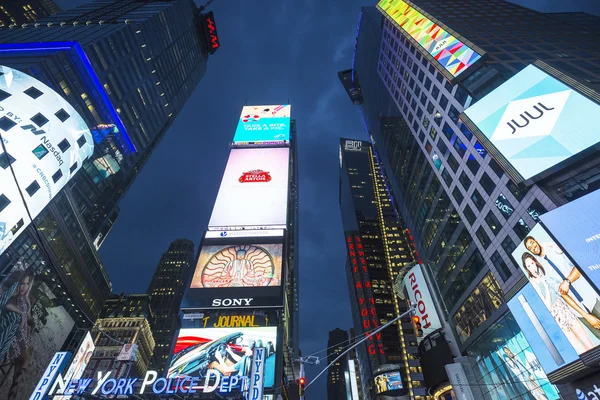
(86, 96)
(336, 384)
(242, 296)
(166, 291)
(466, 202)
(18, 12)
(379, 248)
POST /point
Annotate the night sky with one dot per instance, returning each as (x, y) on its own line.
(272, 52)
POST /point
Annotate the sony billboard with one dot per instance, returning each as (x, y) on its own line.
(419, 295)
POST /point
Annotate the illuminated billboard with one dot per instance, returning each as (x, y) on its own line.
(263, 124)
(419, 295)
(237, 272)
(44, 143)
(453, 55)
(254, 190)
(78, 363)
(224, 352)
(580, 237)
(533, 121)
(388, 381)
(565, 293)
(33, 327)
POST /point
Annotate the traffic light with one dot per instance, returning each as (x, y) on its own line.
(301, 383)
(417, 325)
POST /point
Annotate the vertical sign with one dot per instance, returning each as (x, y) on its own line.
(364, 294)
(458, 379)
(257, 376)
(57, 364)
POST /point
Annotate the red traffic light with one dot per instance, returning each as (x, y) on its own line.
(302, 381)
(416, 319)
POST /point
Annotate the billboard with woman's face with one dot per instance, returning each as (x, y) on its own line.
(571, 300)
(33, 326)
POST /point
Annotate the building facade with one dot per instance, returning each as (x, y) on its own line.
(378, 249)
(336, 382)
(94, 89)
(125, 320)
(166, 291)
(464, 212)
(20, 12)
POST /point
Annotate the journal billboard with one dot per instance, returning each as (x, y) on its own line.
(223, 352)
(263, 124)
(419, 295)
(254, 190)
(580, 237)
(44, 143)
(452, 54)
(535, 121)
(572, 302)
(33, 327)
(242, 272)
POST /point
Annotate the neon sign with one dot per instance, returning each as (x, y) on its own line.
(213, 38)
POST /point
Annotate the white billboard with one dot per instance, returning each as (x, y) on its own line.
(419, 295)
(44, 142)
(79, 363)
(254, 190)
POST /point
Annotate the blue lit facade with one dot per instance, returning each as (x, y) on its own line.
(464, 213)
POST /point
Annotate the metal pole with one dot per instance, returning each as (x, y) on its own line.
(410, 310)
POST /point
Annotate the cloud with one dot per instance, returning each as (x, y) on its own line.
(343, 47)
(323, 111)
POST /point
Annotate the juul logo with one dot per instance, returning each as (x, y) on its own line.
(514, 125)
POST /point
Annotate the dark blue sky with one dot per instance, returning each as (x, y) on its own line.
(271, 52)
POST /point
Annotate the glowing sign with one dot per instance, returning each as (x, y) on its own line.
(263, 124)
(452, 54)
(79, 363)
(56, 365)
(213, 38)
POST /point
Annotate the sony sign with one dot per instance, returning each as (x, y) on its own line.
(419, 295)
(232, 302)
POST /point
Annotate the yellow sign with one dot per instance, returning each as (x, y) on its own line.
(236, 321)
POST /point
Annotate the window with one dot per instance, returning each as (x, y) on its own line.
(536, 209)
(496, 168)
(521, 229)
(435, 92)
(487, 183)
(452, 162)
(443, 102)
(501, 266)
(515, 190)
(484, 239)
(461, 95)
(453, 114)
(473, 164)
(464, 180)
(64, 145)
(446, 176)
(465, 131)
(57, 176)
(492, 222)
(31, 189)
(458, 196)
(5, 160)
(460, 147)
(433, 133)
(469, 214)
(478, 200)
(448, 131)
(427, 83)
(442, 146)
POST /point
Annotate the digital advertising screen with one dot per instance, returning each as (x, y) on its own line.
(546, 338)
(452, 54)
(534, 121)
(33, 327)
(254, 190)
(237, 272)
(79, 362)
(388, 381)
(572, 302)
(264, 124)
(223, 346)
(419, 295)
(44, 142)
(576, 226)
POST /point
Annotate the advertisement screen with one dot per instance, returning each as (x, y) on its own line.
(237, 272)
(79, 362)
(44, 142)
(388, 381)
(580, 237)
(33, 325)
(565, 293)
(419, 295)
(535, 121)
(223, 351)
(452, 54)
(261, 124)
(254, 190)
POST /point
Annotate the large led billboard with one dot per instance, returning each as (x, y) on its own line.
(565, 293)
(418, 293)
(576, 226)
(254, 190)
(453, 55)
(388, 381)
(263, 124)
(44, 143)
(533, 121)
(223, 352)
(78, 363)
(237, 272)
(33, 327)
